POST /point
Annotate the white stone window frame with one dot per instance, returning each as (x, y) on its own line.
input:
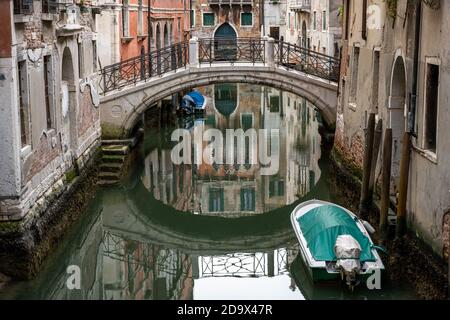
(51, 91)
(203, 19)
(314, 22)
(430, 154)
(140, 20)
(25, 148)
(125, 19)
(192, 22)
(247, 26)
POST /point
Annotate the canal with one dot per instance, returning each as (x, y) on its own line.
(205, 230)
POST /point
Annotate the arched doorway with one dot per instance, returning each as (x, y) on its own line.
(397, 119)
(225, 42)
(68, 101)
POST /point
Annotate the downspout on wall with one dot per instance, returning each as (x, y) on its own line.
(413, 97)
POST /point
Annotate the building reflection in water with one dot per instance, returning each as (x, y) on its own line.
(116, 259)
(240, 190)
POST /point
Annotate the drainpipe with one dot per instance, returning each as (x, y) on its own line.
(406, 152)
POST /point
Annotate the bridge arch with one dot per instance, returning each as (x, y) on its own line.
(122, 109)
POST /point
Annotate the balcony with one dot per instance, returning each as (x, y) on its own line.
(300, 5)
(230, 2)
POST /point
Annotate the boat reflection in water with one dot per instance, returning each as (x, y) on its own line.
(198, 231)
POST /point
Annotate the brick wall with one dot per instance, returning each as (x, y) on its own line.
(45, 152)
(87, 115)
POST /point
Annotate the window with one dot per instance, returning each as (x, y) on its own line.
(208, 19)
(23, 103)
(180, 37)
(23, 6)
(375, 80)
(431, 106)
(49, 6)
(140, 28)
(274, 104)
(246, 19)
(248, 202)
(125, 19)
(246, 121)
(276, 187)
(192, 18)
(94, 55)
(315, 20)
(354, 69)
(216, 200)
(324, 20)
(80, 61)
(48, 83)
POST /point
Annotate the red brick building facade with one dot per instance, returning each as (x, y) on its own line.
(169, 23)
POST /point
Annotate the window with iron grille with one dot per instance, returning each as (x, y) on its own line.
(49, 6)
(23, 6)
(208, 19)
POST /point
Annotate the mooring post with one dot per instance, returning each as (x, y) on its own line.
(364, 205)
(376, 151)
(386, 184)
(403, 185)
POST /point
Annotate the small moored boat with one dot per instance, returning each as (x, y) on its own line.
(334, 242)
(193, 102)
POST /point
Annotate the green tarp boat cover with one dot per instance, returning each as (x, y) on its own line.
(323, 225)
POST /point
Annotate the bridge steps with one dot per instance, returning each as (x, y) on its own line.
(113, 161)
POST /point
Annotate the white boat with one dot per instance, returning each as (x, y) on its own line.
(334, 243)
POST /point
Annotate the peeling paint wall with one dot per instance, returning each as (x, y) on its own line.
(65, 57)
(429, 177)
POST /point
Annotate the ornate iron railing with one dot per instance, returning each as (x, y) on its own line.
(143, 67)
(214, 50)
(301, 59)
(217, 50)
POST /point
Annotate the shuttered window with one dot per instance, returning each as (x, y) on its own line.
(248, 202)
(246, 19)
(208, 19)
(216, 200)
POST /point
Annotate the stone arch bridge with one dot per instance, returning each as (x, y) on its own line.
(130, 87)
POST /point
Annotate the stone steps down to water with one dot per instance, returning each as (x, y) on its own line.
(111, 167)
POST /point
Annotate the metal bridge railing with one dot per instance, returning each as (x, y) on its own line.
(302, 59)
(144, 67)
(218, 50)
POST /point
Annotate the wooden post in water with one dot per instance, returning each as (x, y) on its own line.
(364, 205)
(403, 185)
(386, 184)
(376, 151)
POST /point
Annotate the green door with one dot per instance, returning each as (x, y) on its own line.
(225, 43)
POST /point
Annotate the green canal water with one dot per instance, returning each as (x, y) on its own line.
(203, 231)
